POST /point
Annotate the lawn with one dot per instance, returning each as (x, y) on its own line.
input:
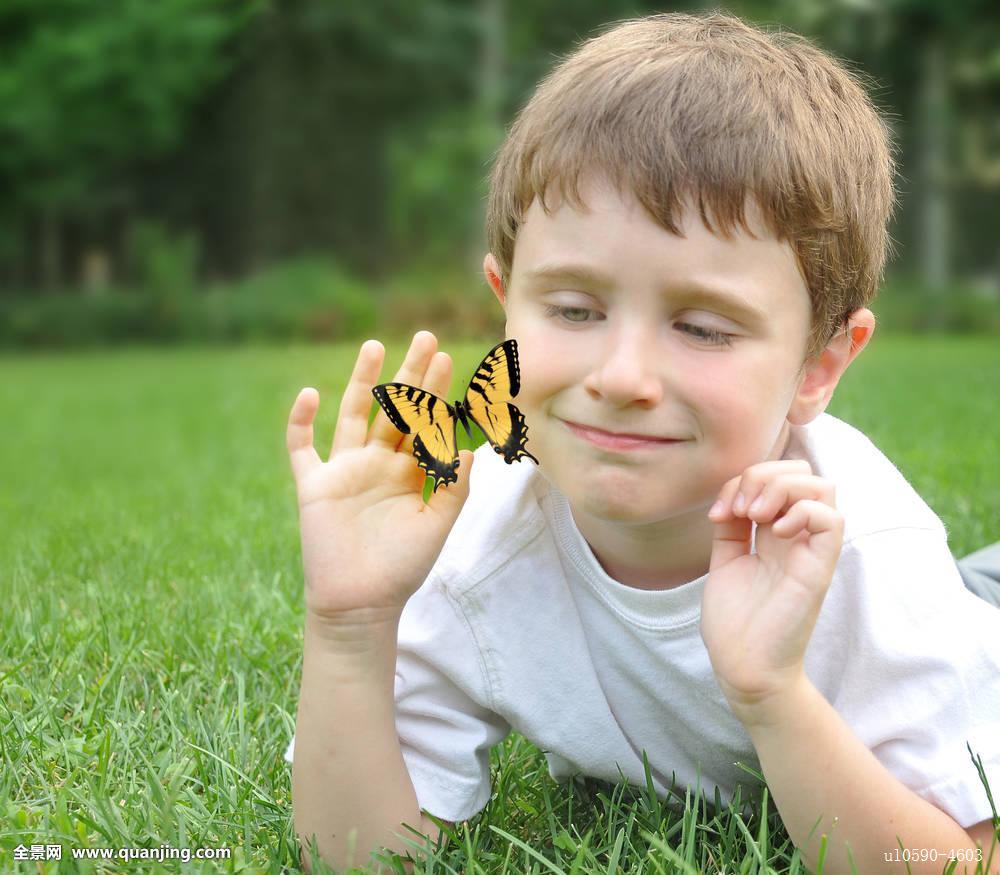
(152, 609)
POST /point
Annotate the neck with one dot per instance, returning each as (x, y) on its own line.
(655, 556)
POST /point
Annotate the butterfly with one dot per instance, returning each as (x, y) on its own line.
(434, 422)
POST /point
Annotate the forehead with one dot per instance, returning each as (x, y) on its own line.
(613, 238)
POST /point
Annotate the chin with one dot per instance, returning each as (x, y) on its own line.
(618, 496)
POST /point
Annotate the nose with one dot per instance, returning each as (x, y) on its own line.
(626, 368)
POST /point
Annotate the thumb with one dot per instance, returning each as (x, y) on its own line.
(448, 502)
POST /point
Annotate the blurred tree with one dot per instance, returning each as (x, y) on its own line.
(89, 92)
(276, 128)
(439, 163)
(938, 68)
(291, 155)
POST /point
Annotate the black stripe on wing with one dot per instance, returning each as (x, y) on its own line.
(410, 408)
(439, 468)
(431, 421)
(498, 377)
(508, 439)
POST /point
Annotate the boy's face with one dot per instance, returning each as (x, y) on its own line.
(614, 334)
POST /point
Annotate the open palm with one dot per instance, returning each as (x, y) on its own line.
(368, 538)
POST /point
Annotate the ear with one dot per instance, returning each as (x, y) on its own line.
(492, 271)
(823, 373)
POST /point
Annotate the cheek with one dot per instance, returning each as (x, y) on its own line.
(722, 388)
(737, 398)
(547, 361)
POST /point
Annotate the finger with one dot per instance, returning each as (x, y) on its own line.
(722, 509)
(413, 370)
(438, 377)
(437, 380)
(823, 524)
(781, 493)
(756, 477)
(730, 540)
(352, 419)
(299, 435)
(750, 483)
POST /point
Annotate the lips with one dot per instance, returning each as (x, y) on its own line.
(617, 440)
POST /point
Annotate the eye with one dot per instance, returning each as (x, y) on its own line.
(710, 336)
(568, 314)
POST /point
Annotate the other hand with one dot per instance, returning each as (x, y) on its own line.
(759, 609)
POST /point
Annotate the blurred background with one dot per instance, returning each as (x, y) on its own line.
(226, 171)
(204, 206)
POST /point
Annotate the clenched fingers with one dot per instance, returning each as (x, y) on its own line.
(780, 494)
(815, 517)
(784, 495)
(769, 488)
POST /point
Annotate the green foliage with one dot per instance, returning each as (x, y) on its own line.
(308, 298)
(439, 175)
(89, 87)
(166, 266)
(166, 269)
(366, 128)
(447, 302)
(906, 305)
(73, 320)
(301, 299)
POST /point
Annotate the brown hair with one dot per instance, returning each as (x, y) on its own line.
(710, 110)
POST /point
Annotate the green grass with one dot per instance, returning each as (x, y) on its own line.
(931, 404)
(151, 610)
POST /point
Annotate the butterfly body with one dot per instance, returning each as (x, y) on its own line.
(463, 416)
(433, 422)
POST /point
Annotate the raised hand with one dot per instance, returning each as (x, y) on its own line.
(759, 609)
(368, 538)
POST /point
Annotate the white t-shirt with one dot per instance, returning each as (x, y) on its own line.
(519, 627)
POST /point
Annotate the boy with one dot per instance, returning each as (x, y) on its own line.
(704, 567)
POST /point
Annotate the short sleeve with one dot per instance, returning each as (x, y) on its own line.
(917, 661)
(446, 729)
(443, 706)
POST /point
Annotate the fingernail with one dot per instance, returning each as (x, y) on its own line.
(757, 505)
(738, 504)
(716, 509)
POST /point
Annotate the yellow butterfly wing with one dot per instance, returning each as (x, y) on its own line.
(432, 423)
(488, 402)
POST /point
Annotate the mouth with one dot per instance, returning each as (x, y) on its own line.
(609, 440)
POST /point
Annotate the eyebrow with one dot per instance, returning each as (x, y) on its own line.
(693, 289)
